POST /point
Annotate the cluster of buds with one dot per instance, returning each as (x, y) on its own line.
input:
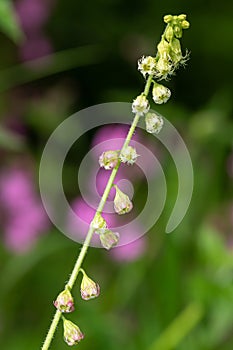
(108, 238)
(110, 159)
(169, 55)
(65, 304)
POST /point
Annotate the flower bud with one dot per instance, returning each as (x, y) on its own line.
(161, 94)
(182, 17)
(146, 65)
(167, 18)
(89, 289)
(122, 203)
(109, 159)
(178, 32)
(154, 123)
(185, 24)
(169, 33)
(163, 49)
(128, 155)
(98, 222)
(72, 333)
(64, 302)
(109, 239)
(164, 68)
(140, 105)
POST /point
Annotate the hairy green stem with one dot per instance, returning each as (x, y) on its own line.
(88, 238)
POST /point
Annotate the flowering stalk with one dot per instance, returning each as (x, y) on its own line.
(167, 60)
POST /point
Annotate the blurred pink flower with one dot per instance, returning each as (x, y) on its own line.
(32, 14)
(131, 251)
(35, 47)
(24, 215)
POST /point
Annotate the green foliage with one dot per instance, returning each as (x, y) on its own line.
(9, 23)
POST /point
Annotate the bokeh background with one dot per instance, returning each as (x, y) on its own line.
(164, 291)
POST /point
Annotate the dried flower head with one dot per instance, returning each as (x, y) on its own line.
(122, 203)
(109, 239)
(89, 289)
(154, 123)
(72, 333)
(140, 105)
(128, 155)
(64, 302)
(109, 159)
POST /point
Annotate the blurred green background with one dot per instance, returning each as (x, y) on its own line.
(58, 57)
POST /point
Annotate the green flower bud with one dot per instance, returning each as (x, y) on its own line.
(109, 159)
(160, 93)
(109, 239)
(163, 49)
(178, 31)
(154, 123)
(98, 222)
(169, 33)
(128, 155)
(64, 302)
(182, 17)
(185, 24)
(89, 289)
(72, 333)
(176, 53)
(167, 18)
(122, 203)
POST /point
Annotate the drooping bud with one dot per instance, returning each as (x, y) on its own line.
(109, 239)
(185, 24)
(64, 301)
(89, 289)
(154, 123)
(122, 203)
(160, 93)
(167, 18)
(146, 65)
(178, 31)
(72, 333)
(169, 33)
(182, 17)
(140, 105)
(98, 222)
(128, 155)
(109, 159)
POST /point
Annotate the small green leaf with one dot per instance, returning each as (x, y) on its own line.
(9, 23)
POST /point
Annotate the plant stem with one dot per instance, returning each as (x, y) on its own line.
(88, 238)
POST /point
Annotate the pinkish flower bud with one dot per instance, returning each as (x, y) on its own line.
(109, 159)
(64, 302)
(109, 239)
(89, 289)
(122, 203)
(128, 155)
(72, 333)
